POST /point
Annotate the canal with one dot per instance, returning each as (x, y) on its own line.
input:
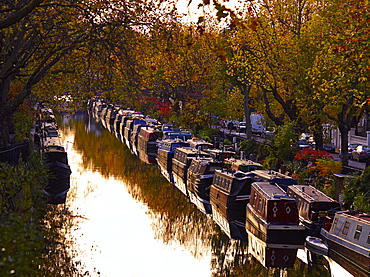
(129, 221)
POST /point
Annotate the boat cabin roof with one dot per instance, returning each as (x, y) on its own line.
(359, 217)
(243, 165)
(270, 174)
(219, 154)
(284, 181)
(205, 161)
(227, 174)
(171, 144)
(184, 135)
(52, 141)
(309, 193)
(197, 142)
(270, 191)
(189, 151)
(54, 148)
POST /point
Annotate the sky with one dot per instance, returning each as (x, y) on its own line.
(194, 11)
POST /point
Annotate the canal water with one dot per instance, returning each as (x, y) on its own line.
(129, 221)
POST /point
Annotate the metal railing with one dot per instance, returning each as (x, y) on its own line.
(12, 154)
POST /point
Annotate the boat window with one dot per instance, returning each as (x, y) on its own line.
(345, 228)
(259, 204)
(254, 196)
(334, 224)
(304, 207)
(358, 232)
(368, 240)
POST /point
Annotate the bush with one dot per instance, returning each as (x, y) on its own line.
(207, 133)
(280, 148)
(357, 192)
(249, 147)
(33, 233)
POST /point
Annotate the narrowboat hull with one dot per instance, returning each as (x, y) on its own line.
(202, 204)
(198, 188)
(354, 258)
(148, 159)
(273, 233)
(164, 161)
(127, 134)
(234, 228)
(179, 171)
(232, 207)
(356, 265)
(58, 183)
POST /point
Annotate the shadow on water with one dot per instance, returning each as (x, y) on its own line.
(174, 219)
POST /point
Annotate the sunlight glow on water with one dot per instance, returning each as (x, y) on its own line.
(114, 233)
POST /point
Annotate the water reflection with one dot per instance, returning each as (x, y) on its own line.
(133, 222)
(125, 222)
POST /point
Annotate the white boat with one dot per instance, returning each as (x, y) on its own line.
(349, 241)
(316, 245)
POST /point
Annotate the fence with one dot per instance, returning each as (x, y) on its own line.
(13, 153)
(352, 138)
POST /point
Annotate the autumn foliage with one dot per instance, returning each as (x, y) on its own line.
(309, 154)
(318, 167)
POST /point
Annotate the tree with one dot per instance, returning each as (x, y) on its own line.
(16, 11)
(72, 46)
(341, 69)
(270, 54)
(30, 47)
(182, 64)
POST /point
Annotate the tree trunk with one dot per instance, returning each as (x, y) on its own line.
(4, 132)
(344, 130)
(319, 142)
(248, 130)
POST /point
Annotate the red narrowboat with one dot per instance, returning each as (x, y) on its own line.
(273, 216)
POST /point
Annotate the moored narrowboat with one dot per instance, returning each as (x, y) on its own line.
(314, 207)
(199, 144)
(200, 177)
(180, 164)
(273, 215)
(229, 196)
(165, 154)
(349, 241)
(242, 165)
(147, 142)
(56, 161)
(274, 177)
(134, 138)
(128, 130)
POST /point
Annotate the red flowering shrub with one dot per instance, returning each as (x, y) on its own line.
(309, 154)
